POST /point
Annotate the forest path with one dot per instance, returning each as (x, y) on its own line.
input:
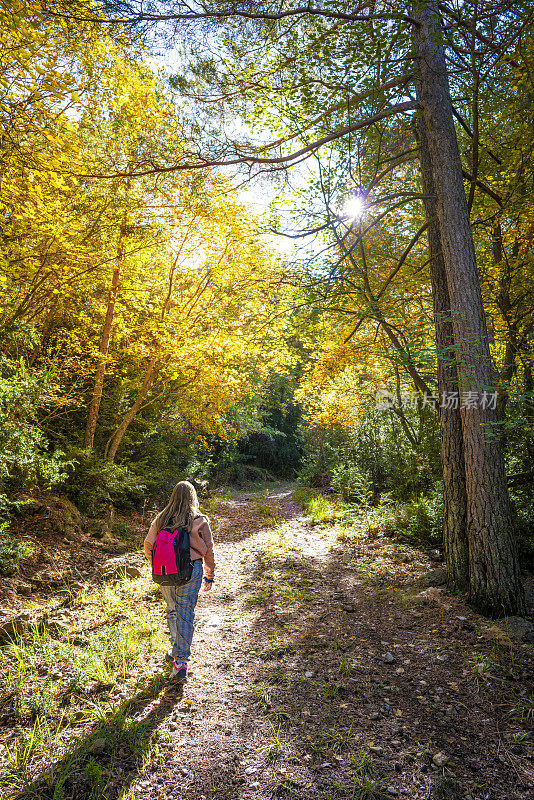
(315, 674)
(321, 668)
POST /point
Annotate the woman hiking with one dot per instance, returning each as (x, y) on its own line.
(182, 510)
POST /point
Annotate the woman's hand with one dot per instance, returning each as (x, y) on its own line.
(206, 586)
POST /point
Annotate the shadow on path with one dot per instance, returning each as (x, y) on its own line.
(312, 681)
(107, 758)
(369, 691)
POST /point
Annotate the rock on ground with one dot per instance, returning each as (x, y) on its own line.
(121, 566)
(436, 577)
(515, 626)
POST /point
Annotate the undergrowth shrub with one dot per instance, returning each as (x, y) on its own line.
(11, 551)
(320, 508)
(350, 482)
(373, 458)
(94, 482)
(523, 512)
(25, 457)
(417, 522)
(375, 465)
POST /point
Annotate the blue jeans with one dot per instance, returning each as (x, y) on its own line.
(181, 602)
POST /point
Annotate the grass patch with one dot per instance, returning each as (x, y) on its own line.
(276, 650)
(418, 522)
(275, 746)
(445, 787)
(320, 508)
(266, 693)
(331, 741)
(367, 784)
(62, 688)
(265, 510)
(481, 667)
(522, 710)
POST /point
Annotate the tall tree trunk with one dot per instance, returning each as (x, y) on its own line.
(450, 423)
(495, 585)
(149, 379)
(151, 374)
(104, 341)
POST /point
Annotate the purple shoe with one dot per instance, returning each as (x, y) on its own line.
(178, 672)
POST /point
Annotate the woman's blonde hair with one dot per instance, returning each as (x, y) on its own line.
(182, 507)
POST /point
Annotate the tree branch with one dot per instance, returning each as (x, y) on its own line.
(251, 159)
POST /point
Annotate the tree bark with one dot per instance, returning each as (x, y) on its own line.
(104, 342)
(452, 449)
(495, 586)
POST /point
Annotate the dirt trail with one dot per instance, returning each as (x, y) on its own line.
(310, 680)
(320, 669)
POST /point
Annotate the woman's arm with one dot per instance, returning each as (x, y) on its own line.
(150, 538)
(209, 556)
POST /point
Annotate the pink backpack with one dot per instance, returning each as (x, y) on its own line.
(171, 557)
